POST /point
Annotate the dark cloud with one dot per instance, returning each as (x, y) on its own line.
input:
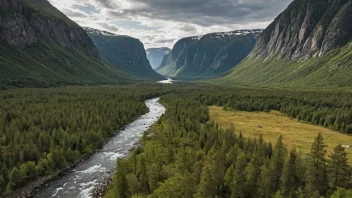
(109, 27)
(188, 28)
(164, 40)
(204, 12)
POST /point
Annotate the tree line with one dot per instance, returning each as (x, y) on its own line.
(186, 155)
(331, 109)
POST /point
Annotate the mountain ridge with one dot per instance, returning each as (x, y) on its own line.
(41, 47)
(208, 55)
(124, 53)
(308, 45)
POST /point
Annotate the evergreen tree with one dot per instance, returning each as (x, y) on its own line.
(339, 174)
(264, 183)
(229, 175)
(252, 171)
(208, 184)
(290, 181)
(238, 188)
(277, 164)
(120, 179)
(317, 182)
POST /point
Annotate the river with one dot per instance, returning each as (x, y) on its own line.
(87, 175)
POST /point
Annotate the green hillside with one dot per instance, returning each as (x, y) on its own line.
(307, 46)
(332, 70)
(44, 65)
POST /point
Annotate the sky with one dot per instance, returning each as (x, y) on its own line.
(161, 23)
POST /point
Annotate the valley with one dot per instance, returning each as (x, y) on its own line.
(154, 99)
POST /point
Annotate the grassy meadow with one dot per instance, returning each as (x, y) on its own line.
(273, 124)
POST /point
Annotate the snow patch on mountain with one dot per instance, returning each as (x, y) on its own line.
(101, 32)
(229, 35)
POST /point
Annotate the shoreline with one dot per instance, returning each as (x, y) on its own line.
(101, 190)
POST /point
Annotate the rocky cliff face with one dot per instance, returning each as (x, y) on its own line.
(156, 55)
(307, 46)
(123, 52)
(209, 55)
(41, 47)
(25, 22)
(306, 29)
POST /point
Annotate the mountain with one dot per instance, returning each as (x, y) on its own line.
(123, 52)
(209, 55)
(40, 47)
(156, 55)
(308, 45)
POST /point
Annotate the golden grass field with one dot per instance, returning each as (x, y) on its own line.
(273, 124)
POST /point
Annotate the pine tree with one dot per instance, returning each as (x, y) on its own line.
(264, 184)
(120, 183)
(290, 181)
(252, 171)
(338, 168)
(316, 172)
(238, 188)
(229, 175)
(207, 186)
(277, 164)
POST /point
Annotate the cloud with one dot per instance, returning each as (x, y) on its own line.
(160, 23)
(188, 28)
(201, 12)
(109, 27)
(75, 13)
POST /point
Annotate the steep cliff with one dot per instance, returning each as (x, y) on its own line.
(306, 29)
(209, 55)
(156, 55)
(123, 52)
(306, 46)
(40, 46)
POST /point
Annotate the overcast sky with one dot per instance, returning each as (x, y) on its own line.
(160, 23)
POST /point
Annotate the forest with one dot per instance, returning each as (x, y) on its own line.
(44, 130)
(185, 154)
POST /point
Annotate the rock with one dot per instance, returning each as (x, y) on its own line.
(123, 52)
(22, 26)
(305, 30)
(209, 55)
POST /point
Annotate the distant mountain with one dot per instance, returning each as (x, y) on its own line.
(156, 55)
(209, 55)
(123, 52)
(40, 46)
(308, 45)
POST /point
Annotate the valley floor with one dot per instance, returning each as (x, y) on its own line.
(272, 124)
